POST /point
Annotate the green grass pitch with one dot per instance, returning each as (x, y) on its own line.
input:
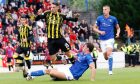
(121, 76)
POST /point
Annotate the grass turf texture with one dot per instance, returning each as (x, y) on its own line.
(120, 76)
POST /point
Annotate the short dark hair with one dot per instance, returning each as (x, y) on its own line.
(90, 46)
(106, 6)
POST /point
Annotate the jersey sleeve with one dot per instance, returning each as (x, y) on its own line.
(39, 17)
(30, 33)
(98, 21)
(18, 33)
(42, 16)
(69, 18)
(89, 59)
(115, 21)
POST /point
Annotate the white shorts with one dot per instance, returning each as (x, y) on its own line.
(67, 72)
(106, 44)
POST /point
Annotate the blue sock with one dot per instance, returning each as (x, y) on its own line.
(37, 73)
(110, 62)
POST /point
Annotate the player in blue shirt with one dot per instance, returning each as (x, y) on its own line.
(104, 26)
(82, 63)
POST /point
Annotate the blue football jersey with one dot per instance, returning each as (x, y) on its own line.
(107, 25)
(81, 65)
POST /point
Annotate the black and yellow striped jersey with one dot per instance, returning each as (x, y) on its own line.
(54, 23)
(25, 32)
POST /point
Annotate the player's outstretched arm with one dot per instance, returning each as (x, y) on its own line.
(95, 28)
(41, 15)
(118, 31)
(93, 71)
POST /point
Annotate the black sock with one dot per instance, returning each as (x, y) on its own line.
(12, 66)
(9, 67)
(51, 66)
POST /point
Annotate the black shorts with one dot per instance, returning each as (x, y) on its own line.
(23, 50)
(55, 44)
(9, 59)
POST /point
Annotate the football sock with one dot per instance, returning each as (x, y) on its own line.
(110, 63)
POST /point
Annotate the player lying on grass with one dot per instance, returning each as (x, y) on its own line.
(82, 63)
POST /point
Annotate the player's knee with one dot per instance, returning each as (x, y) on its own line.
(108, 53)
(52, 72)
(106, 57)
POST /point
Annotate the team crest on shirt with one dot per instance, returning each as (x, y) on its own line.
(80, 59)
(67, 46)
(110, 20)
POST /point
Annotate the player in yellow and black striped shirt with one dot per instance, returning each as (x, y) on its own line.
(54, 21)
(25, 37)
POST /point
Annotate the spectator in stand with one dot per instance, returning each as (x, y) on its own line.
(1, 49)
(73, 37)
(39, 4)
(75, 27)
(41, 38)
(34, 7)
(0, 25)
(133, 40)
(21, 10)
(47, 4)
(5, 39)
(40, 48)
(14, 39)
(39, 30)
(31, 9)
(34, 48)
(66, 36)
(10, 29)
(2, 10)
(15, 30)
(64, 10)
(25, 9)
(87, 31)
(31, 2)
(15, 17)
(83, 29)
(1, 38)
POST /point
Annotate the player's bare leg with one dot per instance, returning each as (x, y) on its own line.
(108, 56)
(53, 58)
(108, 53)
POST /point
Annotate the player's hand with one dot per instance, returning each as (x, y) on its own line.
(102, 32)
(117, 36)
